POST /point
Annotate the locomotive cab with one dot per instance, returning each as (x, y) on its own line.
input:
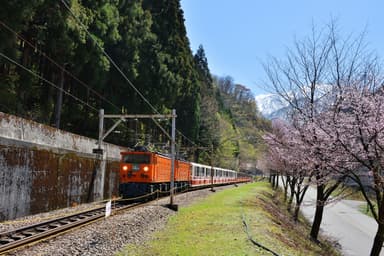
(136, 167)
(143, 172)
(136, 174)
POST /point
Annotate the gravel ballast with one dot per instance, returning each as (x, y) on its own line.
(107, 236)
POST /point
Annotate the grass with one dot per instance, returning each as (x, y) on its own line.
(354, 193)
(349, 193)
(367, 211)
(214, 227)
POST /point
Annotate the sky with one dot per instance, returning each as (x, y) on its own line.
(239, 35)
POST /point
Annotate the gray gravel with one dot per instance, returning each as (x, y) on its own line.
(33, 219)
(108, 236)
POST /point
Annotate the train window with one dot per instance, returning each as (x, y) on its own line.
(137, 158)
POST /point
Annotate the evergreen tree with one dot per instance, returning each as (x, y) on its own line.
(208, 136)
(202, 66)
(177, 81)
(147, 40)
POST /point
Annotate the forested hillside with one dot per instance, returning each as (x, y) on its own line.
(61, 61)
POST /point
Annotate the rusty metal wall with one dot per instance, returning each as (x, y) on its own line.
(37, 177)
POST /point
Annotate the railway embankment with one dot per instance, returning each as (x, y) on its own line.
(227, 222)
(43, 168)
(106, 236)
(244, 220)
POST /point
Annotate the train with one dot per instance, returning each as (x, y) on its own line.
(143, 172)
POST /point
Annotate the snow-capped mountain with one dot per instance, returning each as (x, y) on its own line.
(272, 106)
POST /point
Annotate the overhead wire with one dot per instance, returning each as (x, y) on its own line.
(77, 79)
(58, 65)
(117, 67)
(64, 69)
(109, 57)
(45, 80)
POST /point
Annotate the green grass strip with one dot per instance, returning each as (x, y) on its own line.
(214, 226)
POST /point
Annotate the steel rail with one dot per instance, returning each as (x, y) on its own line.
(16, 238)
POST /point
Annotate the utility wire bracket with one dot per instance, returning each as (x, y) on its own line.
(122, 118)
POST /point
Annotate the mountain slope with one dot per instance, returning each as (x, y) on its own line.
(272, 106)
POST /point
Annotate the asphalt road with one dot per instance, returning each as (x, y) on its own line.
(344, 223)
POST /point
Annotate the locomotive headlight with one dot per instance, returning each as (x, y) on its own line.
(125, 167)
(145, 168)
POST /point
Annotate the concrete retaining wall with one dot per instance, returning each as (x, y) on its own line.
(43, 168)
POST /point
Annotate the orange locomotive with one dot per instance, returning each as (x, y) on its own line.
(143, 172)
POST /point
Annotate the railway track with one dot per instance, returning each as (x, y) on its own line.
(17, 238)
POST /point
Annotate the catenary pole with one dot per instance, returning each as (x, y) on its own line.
(101, 127)
(173, 142)
(121, 118)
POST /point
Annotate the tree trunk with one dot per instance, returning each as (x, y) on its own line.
(299, 194)
(379, 237)
(289, 205)
(291, 193)
(296, 212)
(59, 101)
(196, 155)
(285, 185)
(378, 242)
(319, 213)
(277, 182)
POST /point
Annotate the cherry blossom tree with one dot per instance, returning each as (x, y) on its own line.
(288, 158)
(347, 141)
(311, 79)
(357, 131)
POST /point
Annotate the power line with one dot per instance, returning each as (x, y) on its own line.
(109, 58)
(74, 77)
(45, 80)
(116, 66)
(58, 65)
(66, 71)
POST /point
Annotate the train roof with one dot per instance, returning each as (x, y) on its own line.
(208, 166)
(152, 152)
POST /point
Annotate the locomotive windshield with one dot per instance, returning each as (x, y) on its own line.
(137, 158)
